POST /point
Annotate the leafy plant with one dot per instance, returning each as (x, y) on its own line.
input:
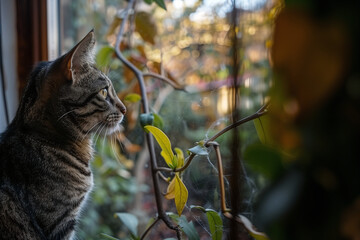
(139, 67)
(214, 220)
(176, 189)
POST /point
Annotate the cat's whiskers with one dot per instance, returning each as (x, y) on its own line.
(97, 129)
(104, 137)
(101, 128)
(96, 132)
(83, 137)
(122, 145)
(65, 114)
(113, 142)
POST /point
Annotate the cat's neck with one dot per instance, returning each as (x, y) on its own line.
(80, 146)
(85, 148)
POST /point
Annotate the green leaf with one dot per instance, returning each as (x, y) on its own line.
(198, 208)
(264, 160)
(175, 162)
(132, 97)
(187, 227)
(251, 230)
(146, 27)
(215, 224)
(214, 220)
(104, 56)
(180, 157)
(158, 121)
(262, 126)
(199, 150)
(181, 194)
(163, 142)
(160, 3)
(130, 221)
(146, 119)
(148, 1)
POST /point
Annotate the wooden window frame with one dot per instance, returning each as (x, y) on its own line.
(32, 42)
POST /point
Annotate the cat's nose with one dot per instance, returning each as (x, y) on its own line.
(121, 107)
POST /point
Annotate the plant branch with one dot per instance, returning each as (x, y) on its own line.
(165, 79)
(150, 142)
(164, 169)
(162, 176)
(187, 163)
(216, 146)
(262, 111)
(149, 228)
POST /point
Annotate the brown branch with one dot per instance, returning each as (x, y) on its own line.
(187, 163)
(149, 228)
(216, 146)
(262, 111)
(226, 211)
(162, 176)
(164, 169)
(150, 142)
(165, 79)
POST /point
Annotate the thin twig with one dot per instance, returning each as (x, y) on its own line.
(187, 163)
(162, 176)
(165, 79)
(262, 111)
(149, 228)
(164, 169)
(221, 176)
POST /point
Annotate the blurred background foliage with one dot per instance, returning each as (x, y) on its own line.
(301, 161)
(189, 43)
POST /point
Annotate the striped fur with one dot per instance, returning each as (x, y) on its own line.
(45, 153)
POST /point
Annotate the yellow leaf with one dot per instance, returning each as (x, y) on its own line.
(166, 157)
(180, 156)
(164, 143)
(181, 194)
(170, 193)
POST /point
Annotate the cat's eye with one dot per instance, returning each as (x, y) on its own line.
(103, 92)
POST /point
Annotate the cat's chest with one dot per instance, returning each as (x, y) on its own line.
(61, 174)
(69, 170)
(61, 189)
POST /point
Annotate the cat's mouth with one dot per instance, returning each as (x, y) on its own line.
(113, 123)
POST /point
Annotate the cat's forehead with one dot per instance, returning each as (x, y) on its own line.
(93, 78)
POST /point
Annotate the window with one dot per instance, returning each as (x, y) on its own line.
(189, 43)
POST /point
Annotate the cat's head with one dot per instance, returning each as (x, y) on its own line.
(70, 96)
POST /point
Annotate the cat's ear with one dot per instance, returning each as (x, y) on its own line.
(80, 56)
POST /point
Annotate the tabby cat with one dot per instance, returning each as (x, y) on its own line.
(45, 152)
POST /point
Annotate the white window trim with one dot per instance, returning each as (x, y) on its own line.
(53, 29)
(9, 57)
